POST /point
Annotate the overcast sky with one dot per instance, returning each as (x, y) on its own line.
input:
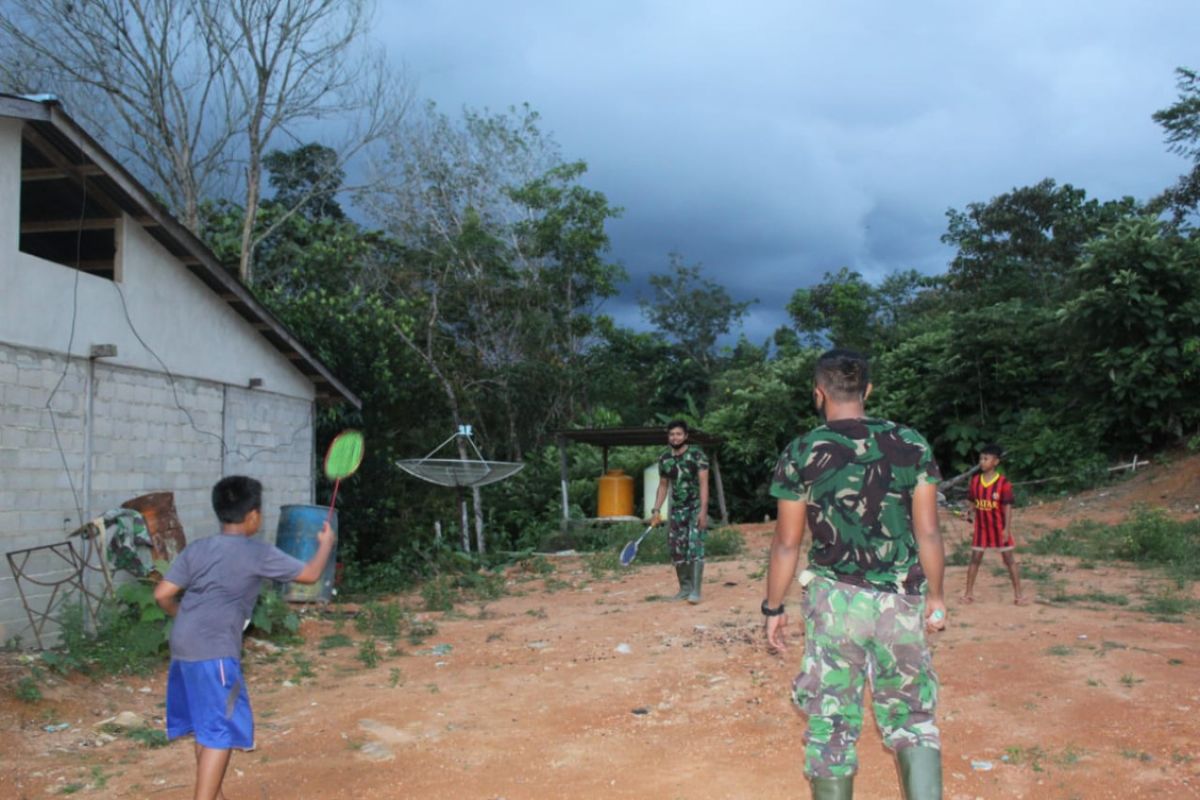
(773, 141)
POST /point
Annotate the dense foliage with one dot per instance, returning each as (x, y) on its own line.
(1065, 327)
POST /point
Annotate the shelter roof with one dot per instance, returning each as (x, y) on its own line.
(61, 151)
(618, 437)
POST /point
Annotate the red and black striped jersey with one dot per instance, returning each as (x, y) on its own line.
(990, 501)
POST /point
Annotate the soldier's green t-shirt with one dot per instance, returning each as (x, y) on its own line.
(684, 473)
(857, 477)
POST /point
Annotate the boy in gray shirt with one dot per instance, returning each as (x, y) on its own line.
(206, 693)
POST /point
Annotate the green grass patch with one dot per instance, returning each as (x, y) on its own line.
(960, 556)
(1103, 598)
(148, 737)
(1059, 650)
(1168, 603)
(333, 641)
(1147, 536)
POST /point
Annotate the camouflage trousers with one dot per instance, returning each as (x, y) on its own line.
(685, 537)
(853, 635)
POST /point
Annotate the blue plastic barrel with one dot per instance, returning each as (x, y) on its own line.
(297, 536)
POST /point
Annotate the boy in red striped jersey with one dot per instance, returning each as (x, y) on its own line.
(991, 499)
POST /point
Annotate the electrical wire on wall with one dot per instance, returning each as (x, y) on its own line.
(246, 455)
(62, 453)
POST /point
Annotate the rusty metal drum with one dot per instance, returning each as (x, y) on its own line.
(162, 523)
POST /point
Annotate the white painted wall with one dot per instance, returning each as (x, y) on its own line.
(177, 429)
(192, 330)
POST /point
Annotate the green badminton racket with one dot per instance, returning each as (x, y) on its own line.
(342, 460)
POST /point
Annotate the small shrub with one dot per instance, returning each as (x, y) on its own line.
(438, 594)
(274, 619)
(420, 630)
(130, 635)
(367, 653)
(481, 585)
(384, 620)
(27, 690)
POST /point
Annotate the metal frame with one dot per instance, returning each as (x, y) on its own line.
(80, 567)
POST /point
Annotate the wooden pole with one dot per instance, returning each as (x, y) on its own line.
(478, 498)
(465, 529)
(716, 466)
(562, 469)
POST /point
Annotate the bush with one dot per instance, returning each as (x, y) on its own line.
(274, 619)
(130, 635)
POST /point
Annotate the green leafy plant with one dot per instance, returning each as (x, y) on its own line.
(367, 653)
(130, 635)
(27, 690)
(274, 619)
(439, 594)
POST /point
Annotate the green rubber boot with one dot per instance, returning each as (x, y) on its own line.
(921, 773)
(684, 573)
(832, 788)
(697, 579)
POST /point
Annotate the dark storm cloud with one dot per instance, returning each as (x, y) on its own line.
(775, 141)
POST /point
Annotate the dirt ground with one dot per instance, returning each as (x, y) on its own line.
(575, 686)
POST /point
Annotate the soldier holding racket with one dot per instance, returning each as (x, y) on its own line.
(683, 470)
(868, 490)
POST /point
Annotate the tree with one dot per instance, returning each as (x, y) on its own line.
(1181, 121)
(837, 311)
(1024, 243)
(504, 268)
(193, 93)
(1135, 320)
(307, 179)
(691, 310)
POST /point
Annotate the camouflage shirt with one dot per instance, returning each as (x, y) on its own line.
(856, 477)
(684, 473)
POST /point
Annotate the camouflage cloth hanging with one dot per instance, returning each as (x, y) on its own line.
(129, 546)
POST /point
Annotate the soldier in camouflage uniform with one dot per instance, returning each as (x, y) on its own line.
(867, 489)
(683, 470)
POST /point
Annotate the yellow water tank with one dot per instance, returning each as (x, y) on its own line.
(615, 498)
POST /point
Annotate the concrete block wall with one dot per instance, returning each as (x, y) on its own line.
(149, 434)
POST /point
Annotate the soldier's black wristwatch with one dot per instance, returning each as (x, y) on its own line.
(771, 612)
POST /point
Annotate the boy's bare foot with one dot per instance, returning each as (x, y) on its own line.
(1021, 600)
(967, 598)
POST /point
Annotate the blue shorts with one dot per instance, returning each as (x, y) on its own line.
(209, 698)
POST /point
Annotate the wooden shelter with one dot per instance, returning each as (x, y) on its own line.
(604, 438)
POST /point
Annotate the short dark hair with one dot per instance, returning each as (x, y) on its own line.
(677, 423)
(992, 449)
(234, 497)
(843, 374)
